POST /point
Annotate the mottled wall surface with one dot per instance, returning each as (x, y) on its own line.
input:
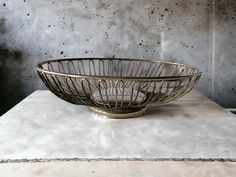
(225, 53)
(200, 33)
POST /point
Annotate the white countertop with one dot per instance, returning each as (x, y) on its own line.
(119, 169)
(43, 126)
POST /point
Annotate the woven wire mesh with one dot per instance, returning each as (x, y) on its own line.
(117, 85)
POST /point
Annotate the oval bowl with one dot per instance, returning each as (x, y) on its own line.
(117, 88)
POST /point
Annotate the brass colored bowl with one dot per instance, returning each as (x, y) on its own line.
(117, 88)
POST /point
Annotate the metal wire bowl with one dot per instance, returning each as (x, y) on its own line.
(117, 88)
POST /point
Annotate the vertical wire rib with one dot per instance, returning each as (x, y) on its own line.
(158, 92)
(87, 92)
(60, 67)
(172, 92)
(162, 66)
(149, 69)
(165, 92)
(132, 93)
(191, 84)
(106, 93)
(101, 94)
(78, 101)
(75, 91)
(57, 83)
(153, 92)
(138, 91)
(43, 77)
(51, 84)
(127, 71)
(81, 66)
(101, 68)
(132, 69)
(71, 67)
(139, 65)
(155, 70)
(122, 90)
(116, 93)
(142, 69)
(119, 68)
(187, 87)
(144, 89)
(50, 67)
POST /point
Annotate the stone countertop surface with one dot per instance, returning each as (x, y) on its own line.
(119, 169)
(43, 126)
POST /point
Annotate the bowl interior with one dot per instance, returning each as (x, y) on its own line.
(118, 68)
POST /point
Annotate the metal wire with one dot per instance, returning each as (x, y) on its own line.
(117, 86)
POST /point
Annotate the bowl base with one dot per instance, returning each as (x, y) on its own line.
(126, 115)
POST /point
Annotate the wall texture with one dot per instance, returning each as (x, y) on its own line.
(197, 32)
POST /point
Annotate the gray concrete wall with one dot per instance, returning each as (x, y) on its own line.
(224, 45)
(201, 33)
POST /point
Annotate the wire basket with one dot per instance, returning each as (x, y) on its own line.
(117, 88)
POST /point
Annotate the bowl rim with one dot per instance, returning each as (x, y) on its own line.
(40, 69)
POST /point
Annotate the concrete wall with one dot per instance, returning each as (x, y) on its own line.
(224, 45)
(201, 33)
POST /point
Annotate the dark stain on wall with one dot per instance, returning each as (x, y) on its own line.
(226, 10)
(11, 89)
